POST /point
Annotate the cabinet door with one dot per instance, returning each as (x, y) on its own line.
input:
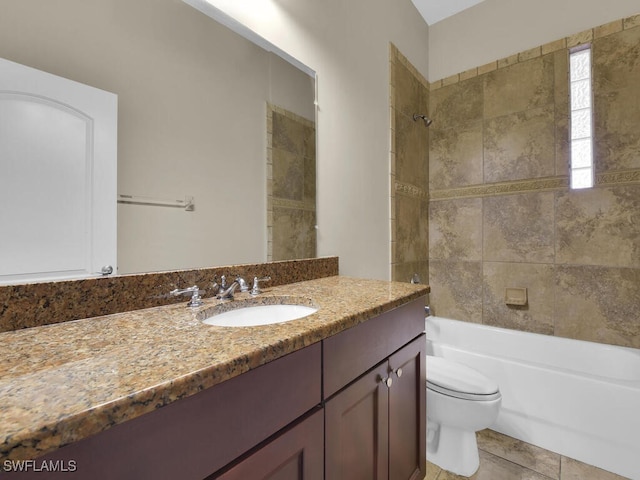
(294, 455)
(407, 410)
(356, 429)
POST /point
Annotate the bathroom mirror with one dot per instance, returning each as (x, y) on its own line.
(203, 113)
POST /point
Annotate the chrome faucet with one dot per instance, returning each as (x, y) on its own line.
(196, 299)
(227, 293)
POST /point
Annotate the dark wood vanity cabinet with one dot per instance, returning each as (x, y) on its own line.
(357, 430)
(194, 437)
(375, 426)
(373, 410)
(296, 454)
(350, 407)
(407, 412)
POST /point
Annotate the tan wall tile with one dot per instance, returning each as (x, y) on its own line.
(520, 145)
(598, 304)
(561, 97)
(529, 54)
(457, 105)
(404, 272)
(516, 111)
(466, 75)
(411, 95)
(456, 289)
(412, 229)
(288, 175)
(537, 315)
(554, 46)
(579, 38)
(435, 85)
(294, 235)
(519, 87)
(455, 157)
(616, 70)
(455, 229)
(409, 173)
(411, 144)
(519, 228)
(607, 29)
(631, 22)
(507, 61)
(599, 226)
(450, 80)
(488, 67)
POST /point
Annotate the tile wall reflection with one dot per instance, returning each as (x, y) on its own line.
(291, 185)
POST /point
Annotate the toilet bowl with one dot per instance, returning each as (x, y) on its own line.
(460, 401)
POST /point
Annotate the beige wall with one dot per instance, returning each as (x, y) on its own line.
(347, 44)
(192, 106)
(499, 28)
(501, 213)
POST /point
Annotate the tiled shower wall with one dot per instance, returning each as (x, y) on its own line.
(500, 210)
(409, 95)
(291, 185)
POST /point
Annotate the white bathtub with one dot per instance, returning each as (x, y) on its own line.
(579, 399)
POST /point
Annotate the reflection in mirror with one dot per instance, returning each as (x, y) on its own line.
(291, 185)
(192, 104)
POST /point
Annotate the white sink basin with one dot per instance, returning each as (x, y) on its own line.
(254, 315)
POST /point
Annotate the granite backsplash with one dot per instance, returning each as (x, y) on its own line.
(36, 304)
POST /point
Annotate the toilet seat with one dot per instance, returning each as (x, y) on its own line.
(460, 381)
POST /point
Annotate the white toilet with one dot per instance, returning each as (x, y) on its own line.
(460, 401)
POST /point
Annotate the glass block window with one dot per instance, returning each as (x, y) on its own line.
(581, 118)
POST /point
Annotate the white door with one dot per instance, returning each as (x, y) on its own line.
(58, 153)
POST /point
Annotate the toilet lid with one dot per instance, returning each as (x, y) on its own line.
(452, 378)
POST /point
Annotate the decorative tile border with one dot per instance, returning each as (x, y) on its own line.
(294, 204)
(606, 179)
(503, 188)
(411, 190)
(615, 178)
(567, 42)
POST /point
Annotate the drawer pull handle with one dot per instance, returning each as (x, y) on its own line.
(399, 372)
(387, 381)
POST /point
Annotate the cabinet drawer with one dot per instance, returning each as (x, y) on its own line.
(354, 351)
(196, 436)
(296, 454)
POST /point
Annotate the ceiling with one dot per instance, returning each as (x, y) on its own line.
(435, 10)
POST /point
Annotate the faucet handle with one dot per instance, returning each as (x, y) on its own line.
(215, 288)
(256, 284)
(243, 283)
(196, 299)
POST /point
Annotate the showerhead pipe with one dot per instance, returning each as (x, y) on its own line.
(427, 121)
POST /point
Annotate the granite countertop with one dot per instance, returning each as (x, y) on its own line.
(64, 382)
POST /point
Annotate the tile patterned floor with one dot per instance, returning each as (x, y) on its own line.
(505, 458)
